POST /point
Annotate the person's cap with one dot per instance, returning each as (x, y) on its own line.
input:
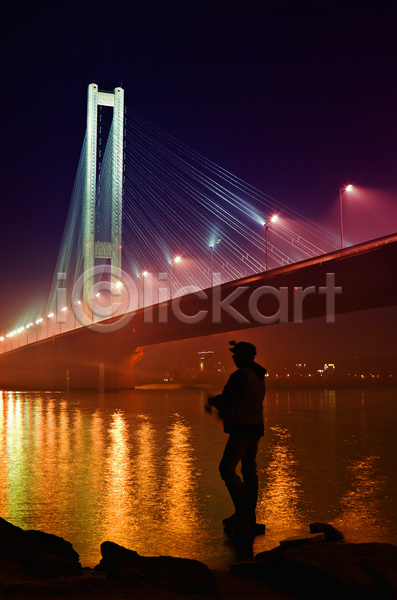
(243, 348)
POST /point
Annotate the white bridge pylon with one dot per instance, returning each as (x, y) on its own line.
(94, 248)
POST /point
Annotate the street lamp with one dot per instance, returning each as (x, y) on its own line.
(27, 327)
(266, 225)
(174, 260)
(19, 331)
(74, 312)
(37, 323)
(64, 309)
(116, 289)
(94, 314)
(346, 188)
(141, 289)
(10, 335)
(48, 318)
(212, 262)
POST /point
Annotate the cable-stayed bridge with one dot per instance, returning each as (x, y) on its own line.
(162, 244)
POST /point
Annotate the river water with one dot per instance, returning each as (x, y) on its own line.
(140, 468)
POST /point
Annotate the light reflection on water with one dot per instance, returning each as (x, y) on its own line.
(140, 468)
(279, 497)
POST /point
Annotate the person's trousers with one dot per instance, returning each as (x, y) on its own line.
(244, 493)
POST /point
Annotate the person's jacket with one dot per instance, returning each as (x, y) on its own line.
(241, 403)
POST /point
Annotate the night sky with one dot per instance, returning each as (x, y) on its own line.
(296, 98)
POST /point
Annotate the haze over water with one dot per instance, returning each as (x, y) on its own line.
(140, 468)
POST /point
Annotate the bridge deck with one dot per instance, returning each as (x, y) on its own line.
(366, 274)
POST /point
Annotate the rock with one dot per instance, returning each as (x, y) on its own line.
(16, 542)
(294, 542)
(88, 585)
(48, 565)
(39, 553)
(179, 574)
(331, 534)
(8, 568)
(357, 571)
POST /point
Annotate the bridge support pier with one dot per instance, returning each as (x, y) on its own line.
(121, 375)
(126, 373)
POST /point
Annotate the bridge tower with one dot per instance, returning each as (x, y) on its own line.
(94, 248)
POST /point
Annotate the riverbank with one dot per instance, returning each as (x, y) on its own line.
(34, 564)
(283, 384)
(92, 585)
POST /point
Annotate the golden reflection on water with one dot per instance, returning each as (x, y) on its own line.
(15, 480)
(48, 486)
(360, 505)
(119, 469)
(179, 488)
(96, 442)
(279, 497)
(64, 444)
(147, 480)
(91, 471)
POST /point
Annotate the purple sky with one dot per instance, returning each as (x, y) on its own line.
(296, 98)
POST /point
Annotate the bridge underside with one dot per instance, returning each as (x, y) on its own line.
(83, 359)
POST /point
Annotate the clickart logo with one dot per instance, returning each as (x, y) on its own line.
(122, 307)
(124, 298)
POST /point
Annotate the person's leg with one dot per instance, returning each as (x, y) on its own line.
(235, 449)
(250, 476)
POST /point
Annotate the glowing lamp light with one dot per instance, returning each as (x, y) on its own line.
(346, 188)
(1, 339)
(144, 273)
(50, 315)
(64, 308)
(272, 219)
(119, 285)
(177, 259)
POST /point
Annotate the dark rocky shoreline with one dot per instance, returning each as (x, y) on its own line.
(34, 564)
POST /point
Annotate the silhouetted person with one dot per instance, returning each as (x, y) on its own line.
(241, 407)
